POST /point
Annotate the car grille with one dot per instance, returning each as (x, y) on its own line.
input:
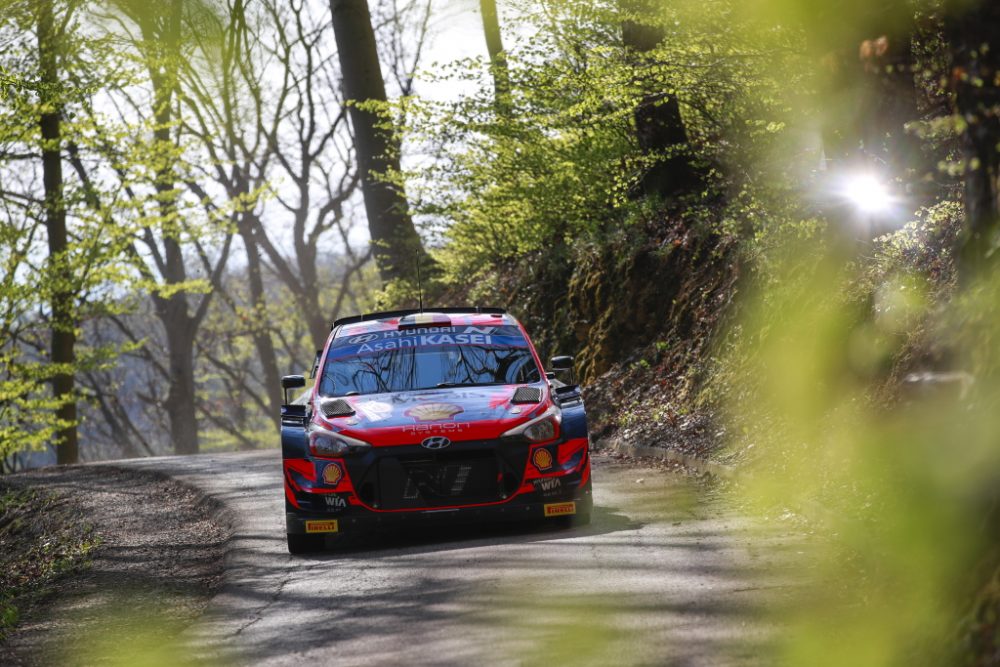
(410, 477)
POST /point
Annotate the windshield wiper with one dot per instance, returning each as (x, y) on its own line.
(441, 385)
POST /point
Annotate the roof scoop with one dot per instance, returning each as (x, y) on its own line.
(415, 320)
(335, 407)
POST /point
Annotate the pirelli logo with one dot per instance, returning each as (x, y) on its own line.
(322, 526)
(560, 509)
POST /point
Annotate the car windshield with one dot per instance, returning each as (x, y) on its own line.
(427, 358)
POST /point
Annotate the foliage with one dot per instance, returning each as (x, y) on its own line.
(818, 373)
(557, 159)
(93, 270)
(760, 296)
(882, 486)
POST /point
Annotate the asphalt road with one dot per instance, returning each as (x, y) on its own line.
(661, 576)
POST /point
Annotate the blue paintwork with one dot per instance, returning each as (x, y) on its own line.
(294, 444)
(574, 421)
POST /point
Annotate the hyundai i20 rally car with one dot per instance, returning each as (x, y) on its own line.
(442, 416)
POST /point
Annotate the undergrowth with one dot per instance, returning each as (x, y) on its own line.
(42, 539)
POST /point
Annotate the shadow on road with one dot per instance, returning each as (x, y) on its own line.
(659, 577)
(428, 539)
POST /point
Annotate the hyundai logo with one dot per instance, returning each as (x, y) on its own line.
(367, 338)
(435, 442)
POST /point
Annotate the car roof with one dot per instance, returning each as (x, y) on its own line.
(427, 318)
(389, 314)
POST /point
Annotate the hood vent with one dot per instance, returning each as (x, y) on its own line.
(336, 407)
(527, 395)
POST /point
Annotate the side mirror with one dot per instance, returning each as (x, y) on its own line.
(292, 382)
(563, 363)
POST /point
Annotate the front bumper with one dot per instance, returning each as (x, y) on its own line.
(301, 524)
(471, 482)
(574, 498)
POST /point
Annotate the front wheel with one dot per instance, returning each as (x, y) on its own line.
(305, 544)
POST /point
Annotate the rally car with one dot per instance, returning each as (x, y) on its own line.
(442, 416)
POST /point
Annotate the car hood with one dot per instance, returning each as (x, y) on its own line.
(406, 417)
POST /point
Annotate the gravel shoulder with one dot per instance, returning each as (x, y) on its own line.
(158, 562)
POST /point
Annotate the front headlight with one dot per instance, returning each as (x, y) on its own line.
(540, 429)
(335, 445)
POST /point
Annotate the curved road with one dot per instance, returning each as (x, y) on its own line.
(662, 576)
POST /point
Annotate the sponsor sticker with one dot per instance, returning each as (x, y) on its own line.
(376, 411)
(542, 459)
(427, 336)
(548, 484)
(434, 429)
(560, 509)
(335, 502)
(429, 412)
(322, 526)
(332, 474)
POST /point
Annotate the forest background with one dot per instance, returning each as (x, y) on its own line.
(766, 229)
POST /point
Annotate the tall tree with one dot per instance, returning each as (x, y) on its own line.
(396, 244)
(494, 46)
(293, 130)
(659, 127)
(240, 157)
(974, 37)
(63, 322)
(162, 32)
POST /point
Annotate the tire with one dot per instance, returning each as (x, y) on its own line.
(305, 544)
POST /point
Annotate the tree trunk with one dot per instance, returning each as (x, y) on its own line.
(261, 336)
(659, 128)
(162, 33)
(180, 403)
(494, 46)
(60, 273)
(975, 44)
(891, 103)
(397, 246)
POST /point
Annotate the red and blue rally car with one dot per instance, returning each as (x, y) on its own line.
(434, 416)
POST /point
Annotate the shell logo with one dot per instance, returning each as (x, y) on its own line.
(542, 459)
(430, 412)
(332, 474)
